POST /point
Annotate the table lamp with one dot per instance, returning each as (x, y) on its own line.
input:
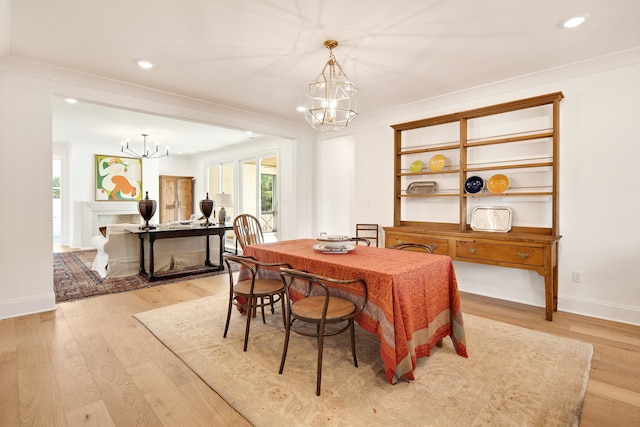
(222, 200)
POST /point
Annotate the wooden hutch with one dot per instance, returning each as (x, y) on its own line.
(516, 139)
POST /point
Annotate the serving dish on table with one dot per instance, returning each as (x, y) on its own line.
(334, 244)
(345, 248)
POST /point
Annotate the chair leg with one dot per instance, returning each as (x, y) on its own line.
(250, 308)
(226, 327)
(353, 342)
(284, 313)
(287, 332)
(262, 308)
(272, 307)
(319, 369)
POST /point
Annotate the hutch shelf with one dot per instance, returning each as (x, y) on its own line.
(501, 157)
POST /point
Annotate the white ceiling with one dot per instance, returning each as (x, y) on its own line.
(259, 55)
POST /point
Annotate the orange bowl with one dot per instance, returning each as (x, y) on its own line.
(437, 162)
(498, 183)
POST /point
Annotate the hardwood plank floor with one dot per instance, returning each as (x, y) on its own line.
(91, 363)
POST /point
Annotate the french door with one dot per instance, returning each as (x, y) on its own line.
(259, 191)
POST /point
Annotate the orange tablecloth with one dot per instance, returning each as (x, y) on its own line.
(413, 297)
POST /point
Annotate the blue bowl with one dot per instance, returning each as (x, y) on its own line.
(473, 184)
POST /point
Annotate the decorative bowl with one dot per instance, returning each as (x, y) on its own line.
(473, 184)
(498, 183)
(416, 166)
(437, 162)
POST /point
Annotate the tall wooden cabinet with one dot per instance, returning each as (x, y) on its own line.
(176, 198)
(435, 199)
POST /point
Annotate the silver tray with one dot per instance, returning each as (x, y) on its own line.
(486, 218)
(422, 187)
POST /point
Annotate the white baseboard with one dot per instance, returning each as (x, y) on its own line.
(601, 310)
(24, 306)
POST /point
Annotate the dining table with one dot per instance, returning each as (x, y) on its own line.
(413, 300)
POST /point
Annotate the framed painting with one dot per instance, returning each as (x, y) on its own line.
(118, 178)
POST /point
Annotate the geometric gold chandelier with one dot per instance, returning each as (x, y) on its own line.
(124, 148)
(331, 100)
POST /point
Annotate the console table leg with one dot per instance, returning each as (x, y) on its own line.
(151, 259)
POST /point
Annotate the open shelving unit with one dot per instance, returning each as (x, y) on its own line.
(519, 139)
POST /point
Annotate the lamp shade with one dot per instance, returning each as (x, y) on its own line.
(222, 200)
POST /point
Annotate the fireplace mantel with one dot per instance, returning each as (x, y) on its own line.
(97, 214)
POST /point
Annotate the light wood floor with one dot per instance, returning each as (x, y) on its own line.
(91, 363)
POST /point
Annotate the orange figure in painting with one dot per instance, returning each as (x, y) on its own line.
(123, 186)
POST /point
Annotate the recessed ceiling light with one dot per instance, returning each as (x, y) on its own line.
(146, 64)
(576, 20)
(71, 100)
(300, 108)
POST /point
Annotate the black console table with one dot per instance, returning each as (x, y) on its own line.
(155, 234)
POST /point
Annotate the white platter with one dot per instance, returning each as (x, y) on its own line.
(334, 250)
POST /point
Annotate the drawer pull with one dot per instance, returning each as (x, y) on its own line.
(399, 242)
(434, 246)
(522, 255)
(472, 250)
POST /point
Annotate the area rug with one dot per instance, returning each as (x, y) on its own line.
(73, 278)
(513, 376)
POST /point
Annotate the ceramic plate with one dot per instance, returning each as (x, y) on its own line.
(437, 162)
(473, 184)
(498, 183)
(334, 250)
(416, 166)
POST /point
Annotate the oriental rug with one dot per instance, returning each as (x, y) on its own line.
(73, 278)
(513, 376)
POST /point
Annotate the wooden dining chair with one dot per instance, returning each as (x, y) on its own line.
(413, 246)
(319, 306)
(248, 230)
(368, 231)
(257, 292)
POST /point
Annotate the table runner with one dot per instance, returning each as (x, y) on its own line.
(413, 297)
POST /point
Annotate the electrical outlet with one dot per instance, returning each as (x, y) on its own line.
(577, 276)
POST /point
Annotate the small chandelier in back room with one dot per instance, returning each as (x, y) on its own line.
(331, 100)
(124, 148)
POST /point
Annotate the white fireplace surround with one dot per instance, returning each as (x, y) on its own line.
(97, 214)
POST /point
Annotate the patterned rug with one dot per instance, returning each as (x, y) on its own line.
(513, 376)
(73, 278)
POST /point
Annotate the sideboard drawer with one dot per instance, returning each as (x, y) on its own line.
(527, 255)
(438, 246)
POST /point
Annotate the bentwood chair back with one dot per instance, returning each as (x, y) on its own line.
(250, 294)
(363, 241)
(248, 230)
(319, 307)
(413, 246)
